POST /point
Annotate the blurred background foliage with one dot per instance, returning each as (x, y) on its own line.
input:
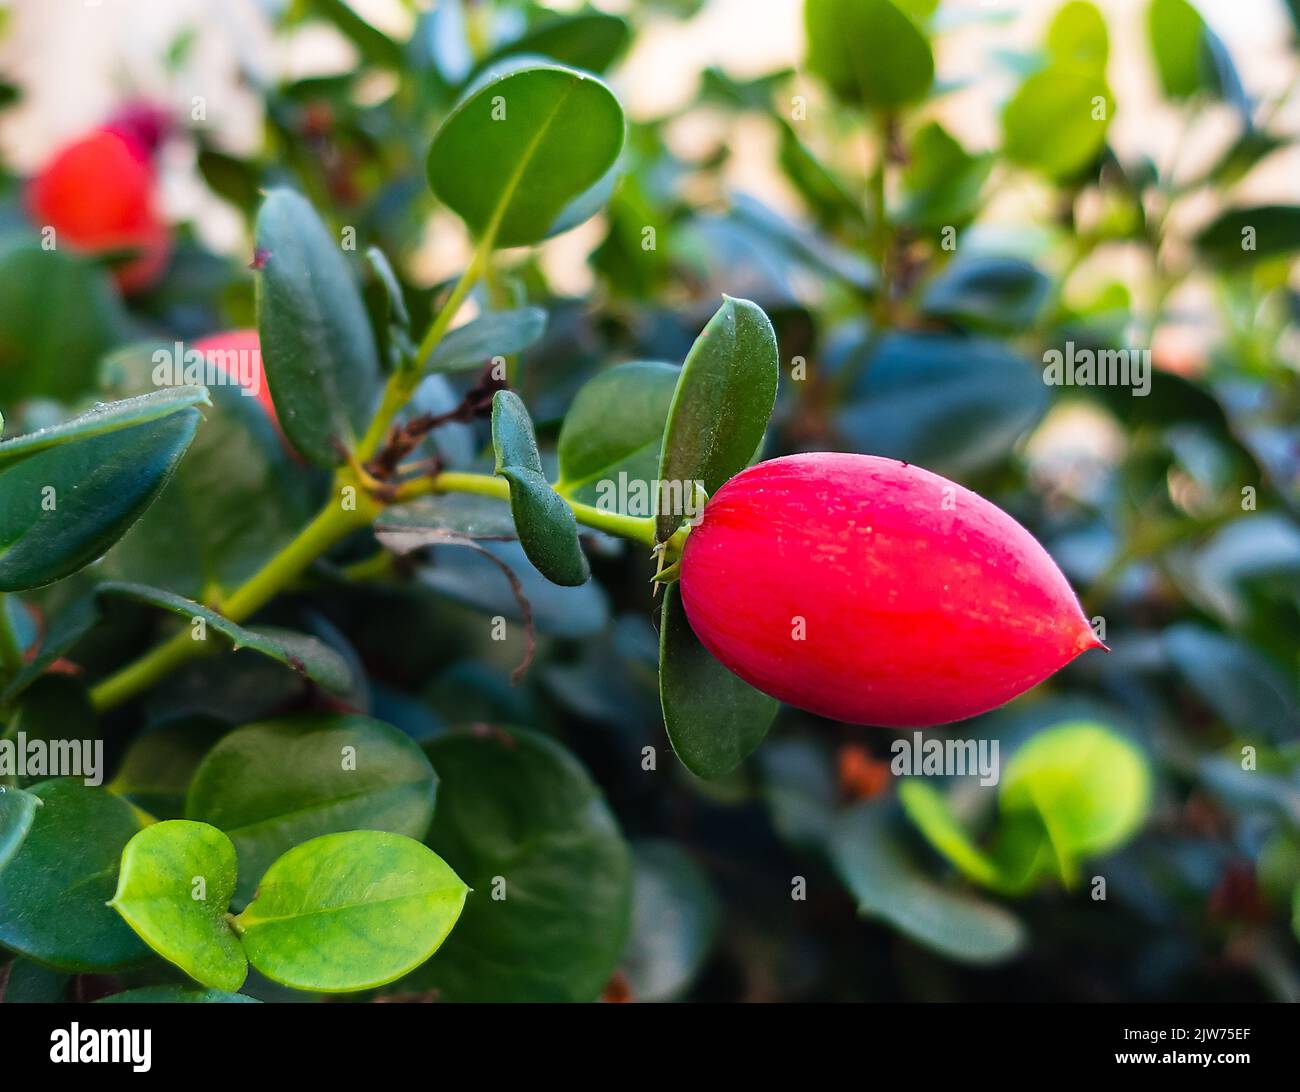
(916, 275)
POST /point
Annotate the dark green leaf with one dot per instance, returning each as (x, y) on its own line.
(722, 404)
(69, 492)
(942, 181)
(615, 427)
(350, 911)
(272, 785)
(546, 526)
(17, 810)
(1240, 236)
(496, 333)
(54, 890)
(714, 719)
(156, 771)
(317, 346)
(176, 995)
(987, 293)
(174, 889)
(868, 52)
(592, 40)
(521, 146)
(525, 826)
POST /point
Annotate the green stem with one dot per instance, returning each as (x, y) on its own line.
(11, 649)
(331, 524)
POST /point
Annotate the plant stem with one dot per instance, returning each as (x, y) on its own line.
(11, 651)
(331, 524)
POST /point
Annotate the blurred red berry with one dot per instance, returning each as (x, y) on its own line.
(98, 195)
(238, 354)
(869, 591)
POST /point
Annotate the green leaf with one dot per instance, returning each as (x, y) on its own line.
(176, 995)
(546, 525)
(274, 784)
(590, 40)
(69, 492)
(942, 181)
(318, 349)
(868, 52)
(520, 818)
(1238, 237)
(58, 316)
(928, 809)
(1077, 36)
(675, 916)
(160, 763)
(887, 885)
(350, 911)
(720, 409)
(174, 888)
(54, 890)
(1056, 122)
(308, 656)
(1177, 34)
(987, 293)
(373, 44)
(495, 333)
(714, 719)
(954, 405)
(521, 146)
(615, 426)
(17, 810)
(1090, 787)
(237, 498)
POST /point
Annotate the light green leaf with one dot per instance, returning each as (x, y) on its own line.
(350, 911)
(318, 349)
(174, 889)
(1177, 34)
(521, 146)
(54, 890)
(272, 785)
(1057, 121)
(546, 525)
(1077, 36)
(868, 52)
(929, 810)
(615, 427)
(720, 409)
(714, 719)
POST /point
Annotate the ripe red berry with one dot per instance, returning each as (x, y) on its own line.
(98, 195)
(874, 592)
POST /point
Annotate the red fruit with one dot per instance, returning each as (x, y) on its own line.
(869, 591)
(98, 195)
(238, 354)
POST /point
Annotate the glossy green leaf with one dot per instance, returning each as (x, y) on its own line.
(69, 492)
(675, 917)
(720, 409)
(318, 350)
(1090, 787)
(17, 810)
(526, 827)
(58, 316)
(26, 982)
(615, 427)
(546, 525)
(274, 784)
(714, 719)
(350, 911)
(237, 498)
(176, 995)
(887, 885)
(54, 890)
(495, 333)
(175, 885)
(868, 52)
(953, 405)
(521, 146)
(1057, 121)
(308, 656)
(1237, 237)
(987, 293)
